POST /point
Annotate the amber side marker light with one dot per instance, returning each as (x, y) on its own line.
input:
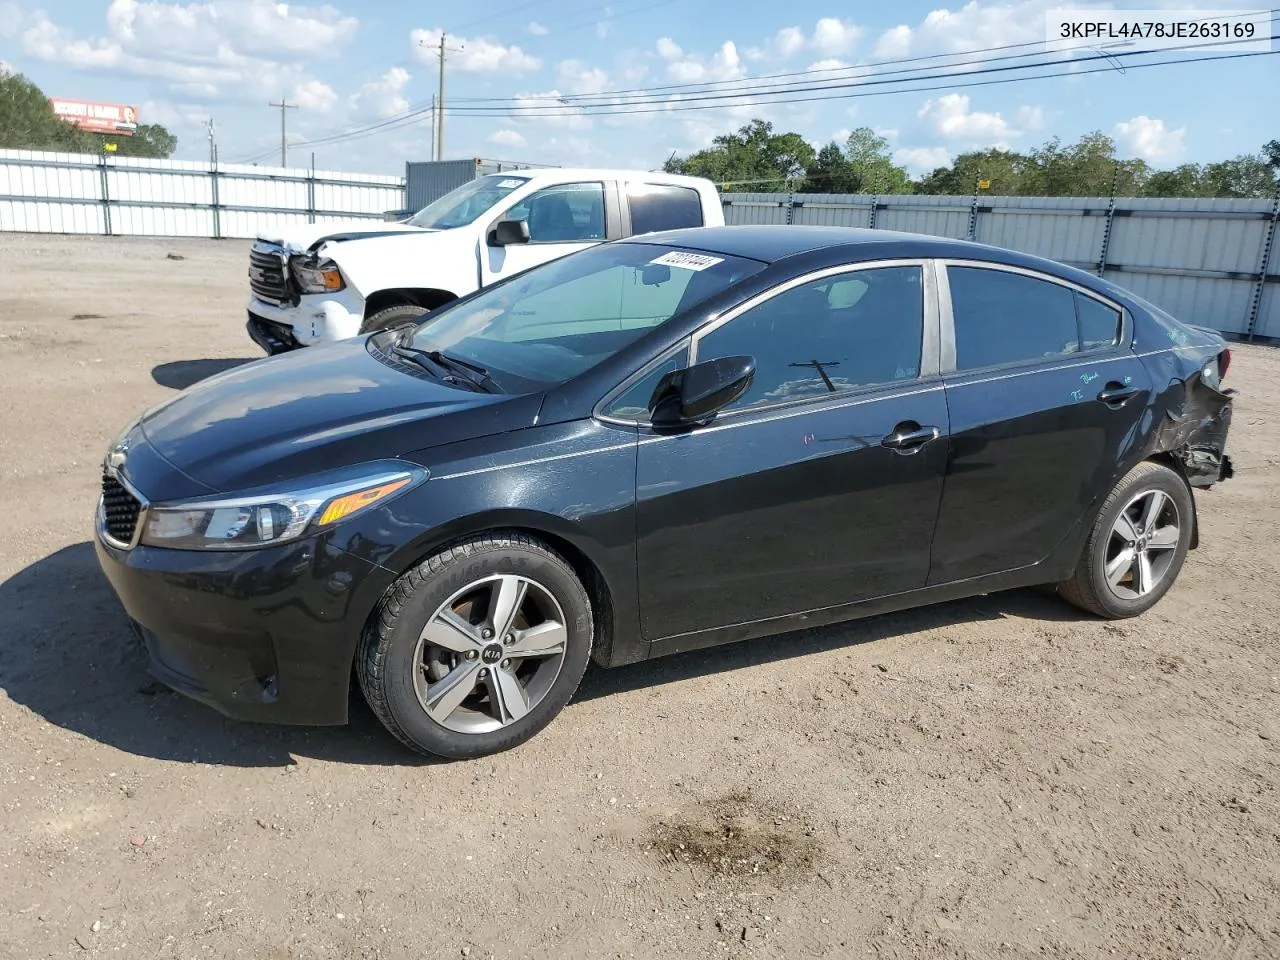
(346, 505)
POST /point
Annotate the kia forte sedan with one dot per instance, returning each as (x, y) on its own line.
(651, 446)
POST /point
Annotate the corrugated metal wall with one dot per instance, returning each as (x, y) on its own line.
(74, 193)
(1200, 259)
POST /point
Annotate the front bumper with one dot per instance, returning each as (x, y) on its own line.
(316, 318)
(265, 635)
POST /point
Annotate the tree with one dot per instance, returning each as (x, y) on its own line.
(870, 160)
(754, 159)
(1271, 153)
(1004, 170)
(831, 172)
(27, 122)
(1184, 181)
(1243, 176)
(149, 140)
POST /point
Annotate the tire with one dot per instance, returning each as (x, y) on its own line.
(391, 316)
(1119, 545)
(426, 646)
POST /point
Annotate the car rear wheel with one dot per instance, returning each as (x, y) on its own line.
(478, 648)
(393, 316)
(1137, 545)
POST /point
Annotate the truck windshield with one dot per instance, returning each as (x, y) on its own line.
(548, 324)
(462, 206)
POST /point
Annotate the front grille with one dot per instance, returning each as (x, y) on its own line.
(120, 509)
(267, 278)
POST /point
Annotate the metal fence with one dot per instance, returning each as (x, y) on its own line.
(1207, 261)
(128, 196)
(430, 180)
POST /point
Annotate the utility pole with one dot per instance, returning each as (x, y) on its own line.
(437, 131)
(284, 105)
(213, 147)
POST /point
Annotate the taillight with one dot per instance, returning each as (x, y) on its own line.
(1224, 364)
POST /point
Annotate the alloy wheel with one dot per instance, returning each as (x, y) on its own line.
(490, 654)
(1143, 545)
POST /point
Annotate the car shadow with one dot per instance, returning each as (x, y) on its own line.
(1031, 604)
(180, 374)
(68, 654)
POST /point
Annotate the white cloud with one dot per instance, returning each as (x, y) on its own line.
(472, 56)
(919, 160)
(668, 49)
(383, 97)
(1150, 139)
(506, 138)
(949, 117)
(212, 49)
(974, 26)
(783, 45)
(537, 29)
(314, 96)
(832, 37)
(828, 65)
(725, 64)
(577, 77)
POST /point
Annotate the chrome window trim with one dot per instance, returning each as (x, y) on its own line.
(948, 332)
(930, 326)
(630, 381)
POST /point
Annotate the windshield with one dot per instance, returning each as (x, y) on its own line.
(459, 207)
(553, 322)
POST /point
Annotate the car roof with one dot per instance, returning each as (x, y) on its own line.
(771, 243)
(598, 173)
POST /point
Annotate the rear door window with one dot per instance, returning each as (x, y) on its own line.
(657, 207)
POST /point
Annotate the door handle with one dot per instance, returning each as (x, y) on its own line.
(1115, 394)
(909, 437)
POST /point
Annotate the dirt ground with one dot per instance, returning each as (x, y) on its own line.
(996, 778)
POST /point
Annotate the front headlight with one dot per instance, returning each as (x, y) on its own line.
(265, 517)
(313, 276)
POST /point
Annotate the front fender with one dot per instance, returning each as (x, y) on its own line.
(444, 260)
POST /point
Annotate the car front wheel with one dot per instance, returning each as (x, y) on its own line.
(1137, 545)
(477, 648)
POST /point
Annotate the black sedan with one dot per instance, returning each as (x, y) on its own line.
(655, 445)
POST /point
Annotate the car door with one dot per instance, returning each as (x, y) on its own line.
(562, 218)
(1045, 397)
(820, 485)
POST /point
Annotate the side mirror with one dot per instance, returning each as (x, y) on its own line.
(697, 393)
(508, 232)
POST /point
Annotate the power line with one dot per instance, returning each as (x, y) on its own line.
(731, 97)
(732, 93)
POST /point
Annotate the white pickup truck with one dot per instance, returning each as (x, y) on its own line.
(318, 283)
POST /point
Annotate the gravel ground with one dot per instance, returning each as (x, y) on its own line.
(996, 778)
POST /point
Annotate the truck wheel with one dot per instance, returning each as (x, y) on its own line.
(393, 316)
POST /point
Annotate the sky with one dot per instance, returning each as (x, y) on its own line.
(359, 73)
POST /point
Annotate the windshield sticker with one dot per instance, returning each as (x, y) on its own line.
(687, 261)
(509, 184)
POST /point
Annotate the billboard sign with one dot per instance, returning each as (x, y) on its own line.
(115, 118)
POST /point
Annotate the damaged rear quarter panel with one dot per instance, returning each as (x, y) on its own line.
(1192, 415)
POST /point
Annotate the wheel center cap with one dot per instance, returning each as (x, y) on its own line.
(492, 653)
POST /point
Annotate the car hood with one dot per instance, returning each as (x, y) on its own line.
(285, 417)
(302, 238)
